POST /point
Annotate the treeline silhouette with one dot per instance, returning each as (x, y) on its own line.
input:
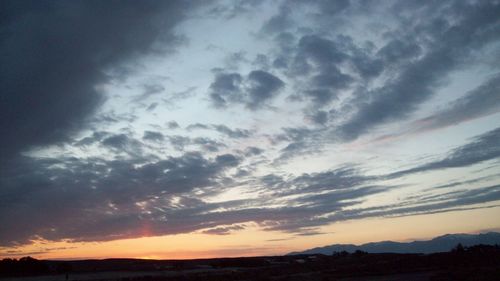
(481, 263)
(23, 267)
(28, 266)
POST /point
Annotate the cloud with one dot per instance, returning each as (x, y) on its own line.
(479, 102)
(483, 148)
(179, 142)
(81, 43)
(117, 180)
(263, 86)
(452, 44)
(97, 199)
(482, 101)
(301, 141)
(172, 125)
(449, 202)
(224, 230)
(153, 136)
(380, 84)
(223, 129)
(226, 89)
(253, 90)
(208, 144)
(253, 151)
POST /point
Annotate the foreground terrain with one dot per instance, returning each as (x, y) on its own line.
(472, 263)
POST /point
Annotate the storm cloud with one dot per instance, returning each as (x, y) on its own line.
(273, 105)
(55, 54)
(253, 91)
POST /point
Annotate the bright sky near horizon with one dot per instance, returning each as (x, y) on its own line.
(188, 129)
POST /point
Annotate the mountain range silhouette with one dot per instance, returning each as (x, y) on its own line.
(442, 243)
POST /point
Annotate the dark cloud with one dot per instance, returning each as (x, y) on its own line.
(421, 49)
(263, 87)
(234, 8)
(226, 89)
(253, 151)
(123, 143)
(483, 148)
(300, 141)
(223, 129)
(398, 50)
(254, 90)
(80, 42)
(433, 204)
(223, 230)
(150, 90)
(179, 142)
(341, 178)
(116, 199)
(172, 125)
(153, 136)
(171, 98)
(97, 199)
(261, 61)
(197, 126)
(279, 22)
(131, 190)
(236, 133)
(234, 60)
(208, 144)
(452, 44)
(96, 136)
(482, 101)
(466, 182)
(320, 117)
(152, 106)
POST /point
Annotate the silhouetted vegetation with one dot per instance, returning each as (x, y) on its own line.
(481, 262)
(23, 267)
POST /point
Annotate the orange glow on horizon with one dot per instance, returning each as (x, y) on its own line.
(255, 242)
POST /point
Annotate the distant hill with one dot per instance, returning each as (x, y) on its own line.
(439, 244)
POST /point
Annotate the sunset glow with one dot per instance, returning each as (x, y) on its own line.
(201, 129)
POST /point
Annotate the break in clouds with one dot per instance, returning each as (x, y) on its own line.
(121, 116)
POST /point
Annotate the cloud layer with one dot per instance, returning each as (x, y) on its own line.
(144, 118)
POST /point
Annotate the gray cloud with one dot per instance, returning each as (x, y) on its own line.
(483, 148)
(223, 230)
(445, 203)
(179, 142)
(98, 199)
(223, 129)
(254, 90)
(172, 125)
(79, 41)
(208, 144)
(452, 45)
(128, 193)
(153, 136)
(236, 133)
(252, 151)
(263, 87)
(226, 89)
(482, 101)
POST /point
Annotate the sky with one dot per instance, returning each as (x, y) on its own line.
(188, 129)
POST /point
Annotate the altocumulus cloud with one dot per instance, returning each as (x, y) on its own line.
(55, 53)
(97, 199)
(125, 174)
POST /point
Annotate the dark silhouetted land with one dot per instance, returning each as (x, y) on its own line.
(480, 262)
